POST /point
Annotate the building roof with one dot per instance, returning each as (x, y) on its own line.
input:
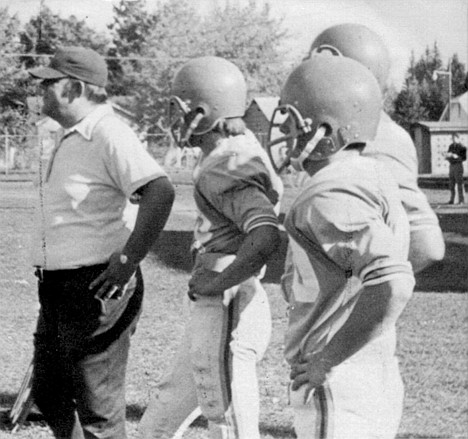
(458, 109)
(267, 104)
(442, 126)
(462, 100)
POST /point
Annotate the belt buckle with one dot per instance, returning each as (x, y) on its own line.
(39, 274)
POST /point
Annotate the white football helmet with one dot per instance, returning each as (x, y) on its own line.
(358, 42)
(327, 103)
(205, 91)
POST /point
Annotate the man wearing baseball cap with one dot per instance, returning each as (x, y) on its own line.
(86, 255)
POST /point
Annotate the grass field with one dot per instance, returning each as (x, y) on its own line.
(433, 348)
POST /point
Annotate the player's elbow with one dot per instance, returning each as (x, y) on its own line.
(267, 239)
(389, 299)
(426, 249)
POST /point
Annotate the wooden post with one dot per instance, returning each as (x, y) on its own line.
(7, 152)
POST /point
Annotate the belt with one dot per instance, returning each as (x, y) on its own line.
(62, 275)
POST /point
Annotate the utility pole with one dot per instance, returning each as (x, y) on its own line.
(448, 73)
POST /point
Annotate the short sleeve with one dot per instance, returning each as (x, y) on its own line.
(243, 193)
(352, 232)
(247, 207)
(129, 165)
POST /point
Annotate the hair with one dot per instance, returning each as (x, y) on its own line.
(93, 93)
(358, 146)
(233, 126)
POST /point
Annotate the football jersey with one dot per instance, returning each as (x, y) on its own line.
(394, 147)
(353, 230)
(235, 191)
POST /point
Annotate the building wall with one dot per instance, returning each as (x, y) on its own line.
(440, 142)
(422, 142)
(432, 143)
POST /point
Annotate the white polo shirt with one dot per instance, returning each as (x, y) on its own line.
(91, 174)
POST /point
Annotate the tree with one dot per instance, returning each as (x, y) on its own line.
(176, 36)
(251, 39)
(130, 28)
(424, 95)
(248, 37)
(13, 78)
(459, 76)
(47, 31)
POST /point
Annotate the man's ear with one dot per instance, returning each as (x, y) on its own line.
(76, 89)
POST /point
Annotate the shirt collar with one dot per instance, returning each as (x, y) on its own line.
(86, 125)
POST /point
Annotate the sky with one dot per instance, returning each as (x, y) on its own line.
(405, 25)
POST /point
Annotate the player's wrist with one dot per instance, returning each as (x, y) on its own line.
(322, 362)
(127, 259)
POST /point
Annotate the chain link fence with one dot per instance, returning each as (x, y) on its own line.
(22, 154)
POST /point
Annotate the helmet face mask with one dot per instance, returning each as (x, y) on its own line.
(183, 121)
(287, 127)
(327, 104)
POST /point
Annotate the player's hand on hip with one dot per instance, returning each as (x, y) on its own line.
(113, 281)
(202, 284)
(311, 372)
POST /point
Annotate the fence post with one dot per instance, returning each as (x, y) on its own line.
(7, 152)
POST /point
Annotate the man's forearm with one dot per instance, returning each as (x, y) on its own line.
(154, 208)
(377, 310)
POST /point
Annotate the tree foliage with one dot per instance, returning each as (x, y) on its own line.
(12, 76)
(250, 38)
(130, 28)
(47, 31)
(426, 93)
(176, 32)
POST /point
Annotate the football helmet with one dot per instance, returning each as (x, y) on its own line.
(358, 42)
(327, 103)
(204, 91)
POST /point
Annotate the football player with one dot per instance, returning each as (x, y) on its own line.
(392, 145)
(349, 222)
(236, 190)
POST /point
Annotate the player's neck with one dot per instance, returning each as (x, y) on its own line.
(211, 141)
(312, 167)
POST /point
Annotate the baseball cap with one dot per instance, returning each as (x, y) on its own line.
(76, 62)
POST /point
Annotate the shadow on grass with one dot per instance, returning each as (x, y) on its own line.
(421, 436)
(7, 399)
(5, 424)
(173, 250)
(135, 412)
(450, 274)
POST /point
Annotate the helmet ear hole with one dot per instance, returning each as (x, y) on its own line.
(328, 129)
(200, 110)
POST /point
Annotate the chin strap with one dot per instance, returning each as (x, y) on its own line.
(193, 125)
(298, 162)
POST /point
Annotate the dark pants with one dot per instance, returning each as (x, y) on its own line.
(456, 181)
(81, 351)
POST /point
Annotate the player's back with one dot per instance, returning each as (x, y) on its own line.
(394, 147)
(223, 180)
